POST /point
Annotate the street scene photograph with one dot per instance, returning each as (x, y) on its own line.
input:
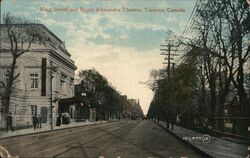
(124, 78)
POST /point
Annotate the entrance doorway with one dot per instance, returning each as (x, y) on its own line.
(44, 114)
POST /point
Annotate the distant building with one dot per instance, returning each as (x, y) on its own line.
(127, 108)
(31, 95)
(136, 110)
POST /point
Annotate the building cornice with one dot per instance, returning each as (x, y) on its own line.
(62, 59)
(34, 25)
(53, 53)
(41, 26)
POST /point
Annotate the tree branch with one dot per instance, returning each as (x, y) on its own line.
(16, 76)
(2, 84)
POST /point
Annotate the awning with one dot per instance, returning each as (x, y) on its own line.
(73, 100)
(64, 104)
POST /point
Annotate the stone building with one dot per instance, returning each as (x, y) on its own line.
(136, 111)
(127, 107)
(46, 77)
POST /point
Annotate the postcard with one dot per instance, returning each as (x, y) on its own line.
(125, 78)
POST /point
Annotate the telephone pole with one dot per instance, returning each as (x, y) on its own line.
(169, 57)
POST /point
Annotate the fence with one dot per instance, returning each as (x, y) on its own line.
(226, 124)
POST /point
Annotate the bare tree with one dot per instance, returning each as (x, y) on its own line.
(16, 38)
(154, 77)
(229, 36)
(220, 44)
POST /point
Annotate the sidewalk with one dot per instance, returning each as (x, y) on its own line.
(45, 127)
(208, 145)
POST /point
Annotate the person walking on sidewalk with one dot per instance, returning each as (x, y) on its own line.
(58, 120)
(34, 120)
(39, 121)
(9, 123)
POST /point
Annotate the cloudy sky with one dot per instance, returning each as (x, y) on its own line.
(122, 46)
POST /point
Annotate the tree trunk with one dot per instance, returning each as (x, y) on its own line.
(240, 78)
(222, 100)
(8, 89)
(203, 101)
(212, 104)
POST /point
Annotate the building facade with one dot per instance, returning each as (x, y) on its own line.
(127, 107)
(131, 108)
(46, 76)
(136, 111)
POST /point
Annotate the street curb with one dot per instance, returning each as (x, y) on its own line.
(203, 153)
(48, 131)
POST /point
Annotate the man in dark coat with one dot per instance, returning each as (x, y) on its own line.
(35, 121)
(9, 123)
(58, 120)
(39, 121)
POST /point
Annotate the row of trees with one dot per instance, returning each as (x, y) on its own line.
(100, 93)
(214, 73)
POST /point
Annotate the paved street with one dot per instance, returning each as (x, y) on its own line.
(127, 139)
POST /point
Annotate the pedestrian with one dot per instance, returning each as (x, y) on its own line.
(172, 125)
(9, 123)
(39, 121)
(58, 120)
(172, 121)
(35, 121)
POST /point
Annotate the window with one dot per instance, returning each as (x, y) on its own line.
(33, 110)
(61, 82)
(62, 85)
(36, 38)
(7, 77)
(34, 80)
(71, 81)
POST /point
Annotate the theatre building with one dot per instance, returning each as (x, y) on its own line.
(46, 78)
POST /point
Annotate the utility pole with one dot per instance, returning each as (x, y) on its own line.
(172, 98)
(51, 103)
(1, 109)
(170, 56)
(168, 113)
(53, 69)
(158, 110)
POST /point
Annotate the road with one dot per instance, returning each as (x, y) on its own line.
(124, 139)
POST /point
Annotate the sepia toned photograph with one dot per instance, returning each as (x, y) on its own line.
(124, 79)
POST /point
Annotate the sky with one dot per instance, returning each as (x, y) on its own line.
(124, 46)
